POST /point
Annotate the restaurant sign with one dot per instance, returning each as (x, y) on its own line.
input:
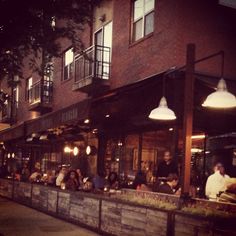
(68, 115)
(12, 133)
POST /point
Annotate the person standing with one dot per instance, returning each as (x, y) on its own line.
(216, 182)
(167, 166)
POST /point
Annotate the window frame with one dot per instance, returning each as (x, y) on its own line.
(143, 19)
(70, 66)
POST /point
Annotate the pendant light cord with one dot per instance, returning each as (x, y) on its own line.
(164, 86)
(222, 64)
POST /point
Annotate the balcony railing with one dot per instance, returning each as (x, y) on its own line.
(8, 113)
(41, 92)
(93, 64)
(40, 96)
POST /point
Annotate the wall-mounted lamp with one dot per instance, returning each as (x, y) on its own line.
(67, 149)
(221, 98)
(75, 151)
(91, 150)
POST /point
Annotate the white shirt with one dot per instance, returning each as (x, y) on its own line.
(215, 184)
(59, 179)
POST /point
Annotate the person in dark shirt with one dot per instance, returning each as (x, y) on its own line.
(168, 187)
(167, 166)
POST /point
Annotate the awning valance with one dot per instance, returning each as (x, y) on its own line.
(68, 115)
(12, 133)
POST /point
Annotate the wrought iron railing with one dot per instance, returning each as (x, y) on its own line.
(94, 62)
(8, 112)
(41, 92)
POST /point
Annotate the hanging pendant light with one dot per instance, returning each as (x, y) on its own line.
(162, 112)
(221, 98)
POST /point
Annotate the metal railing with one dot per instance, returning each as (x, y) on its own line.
(8, 112)
(94, 62)
(40, 92)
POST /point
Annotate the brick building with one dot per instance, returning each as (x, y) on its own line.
(103, 99)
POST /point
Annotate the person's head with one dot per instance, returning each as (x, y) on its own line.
(37, 166)
(79, 172)
(112, 177)
(73, 174)
(63, 170)
(172, 180)
(167, 156)
(220, 168)
(25, 166)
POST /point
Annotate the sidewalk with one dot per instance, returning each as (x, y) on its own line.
(18, 220)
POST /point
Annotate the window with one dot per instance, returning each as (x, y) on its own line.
(15, 96)
(143, 18)
(103, 38)
(29, 84)
(68, 64)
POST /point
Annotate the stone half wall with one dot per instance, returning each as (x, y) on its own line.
(111, 216)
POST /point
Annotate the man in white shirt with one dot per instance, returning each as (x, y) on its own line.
(216, 182)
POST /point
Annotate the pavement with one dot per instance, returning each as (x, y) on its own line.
(19, 220)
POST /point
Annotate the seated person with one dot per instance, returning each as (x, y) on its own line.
(99, 181)
(35, 176)
(216, 182)
(81, 183)
(169, 186)
(25, 173)
(71, 180)
(140, 182)
(113, 180)
(61, 176)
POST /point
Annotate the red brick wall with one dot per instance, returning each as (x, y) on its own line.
(177, 23)
(210, 26)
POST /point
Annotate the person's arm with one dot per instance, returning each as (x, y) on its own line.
(208, 188)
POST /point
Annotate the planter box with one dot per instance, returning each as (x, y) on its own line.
(22, 192)
(129, 219)
(79, 207)
(6, 188)
(187, 224)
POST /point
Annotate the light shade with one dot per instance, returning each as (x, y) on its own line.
(162, 112)
(221, 98)
(75, 151)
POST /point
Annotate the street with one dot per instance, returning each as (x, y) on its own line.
(18, 220)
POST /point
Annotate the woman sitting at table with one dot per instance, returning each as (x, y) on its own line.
(140, 182)
(72, 180)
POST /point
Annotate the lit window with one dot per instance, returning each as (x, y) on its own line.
(16, 96)
(68, 64)
(143, 18)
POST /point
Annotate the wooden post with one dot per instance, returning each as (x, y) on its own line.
(140, 148)
(188, 118)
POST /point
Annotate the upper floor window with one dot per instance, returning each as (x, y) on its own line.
(15, 96)
(68, 64)
(143, 18)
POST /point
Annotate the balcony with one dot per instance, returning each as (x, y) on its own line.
(8, 113)
(92, 69)
(40, 96)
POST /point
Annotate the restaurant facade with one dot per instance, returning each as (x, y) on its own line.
(135, 53)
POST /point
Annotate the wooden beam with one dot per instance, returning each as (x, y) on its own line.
(188, 118)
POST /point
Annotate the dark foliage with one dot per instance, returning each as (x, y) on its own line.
(27, 28)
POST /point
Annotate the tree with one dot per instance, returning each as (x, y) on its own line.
(29, 28)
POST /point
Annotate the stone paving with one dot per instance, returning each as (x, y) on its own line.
(18, 220)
